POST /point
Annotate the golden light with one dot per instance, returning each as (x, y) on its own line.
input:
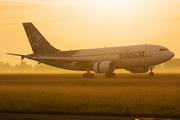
(82, 24)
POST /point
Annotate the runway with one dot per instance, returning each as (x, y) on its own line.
(127, 95)
(71, 117)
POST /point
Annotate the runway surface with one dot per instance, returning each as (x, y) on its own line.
(71, 117)
(71, 97)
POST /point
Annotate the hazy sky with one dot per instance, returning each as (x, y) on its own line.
(78, 24)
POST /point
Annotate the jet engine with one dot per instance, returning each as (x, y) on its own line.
(138, 69)
(104, 67)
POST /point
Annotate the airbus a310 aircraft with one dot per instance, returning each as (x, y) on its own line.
(134, 58)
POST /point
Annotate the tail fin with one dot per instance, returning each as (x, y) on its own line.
(38, 43)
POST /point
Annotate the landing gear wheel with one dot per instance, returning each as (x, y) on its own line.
(110, 75)
(151, 74)
(85, 75)
(107, 75)
(113, 75)
(151, 69)
(91, 75)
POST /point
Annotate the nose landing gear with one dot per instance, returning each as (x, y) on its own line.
(151, 73)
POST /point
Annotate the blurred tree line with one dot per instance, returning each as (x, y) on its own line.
(23, 66)
(172, 65)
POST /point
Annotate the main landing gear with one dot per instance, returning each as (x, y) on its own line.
(88, 74)
(110, 75)
(91, 75)
(151, 73)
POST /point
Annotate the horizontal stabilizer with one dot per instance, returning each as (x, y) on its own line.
(22, 56)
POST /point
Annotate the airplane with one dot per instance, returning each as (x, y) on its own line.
(139, 58)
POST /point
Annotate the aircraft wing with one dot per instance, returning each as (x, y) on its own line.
(53, 61)
(77, 59)
(43, 58)
(80, 62)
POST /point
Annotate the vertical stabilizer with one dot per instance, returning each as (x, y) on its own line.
(38, 43)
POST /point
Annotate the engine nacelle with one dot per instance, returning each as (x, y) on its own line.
(138, 69)
(104, 67)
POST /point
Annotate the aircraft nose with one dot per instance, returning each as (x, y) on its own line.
(170, 55)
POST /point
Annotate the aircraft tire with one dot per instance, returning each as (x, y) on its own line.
(113, 75)
(110, 75)
(151, 74)
(85, 75)
(107, 75)
(91, 75)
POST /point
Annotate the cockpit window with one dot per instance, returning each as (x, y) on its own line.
(163, 49)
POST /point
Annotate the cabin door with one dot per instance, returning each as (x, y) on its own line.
(147, 54)
(148, 51)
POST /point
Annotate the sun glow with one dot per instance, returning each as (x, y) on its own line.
(75, 24)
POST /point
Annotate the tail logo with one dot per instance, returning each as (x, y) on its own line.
(34, 39)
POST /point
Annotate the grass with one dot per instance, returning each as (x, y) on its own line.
(69, 94)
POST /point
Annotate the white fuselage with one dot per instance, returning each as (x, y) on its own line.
(129, 56)
(134, 58)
